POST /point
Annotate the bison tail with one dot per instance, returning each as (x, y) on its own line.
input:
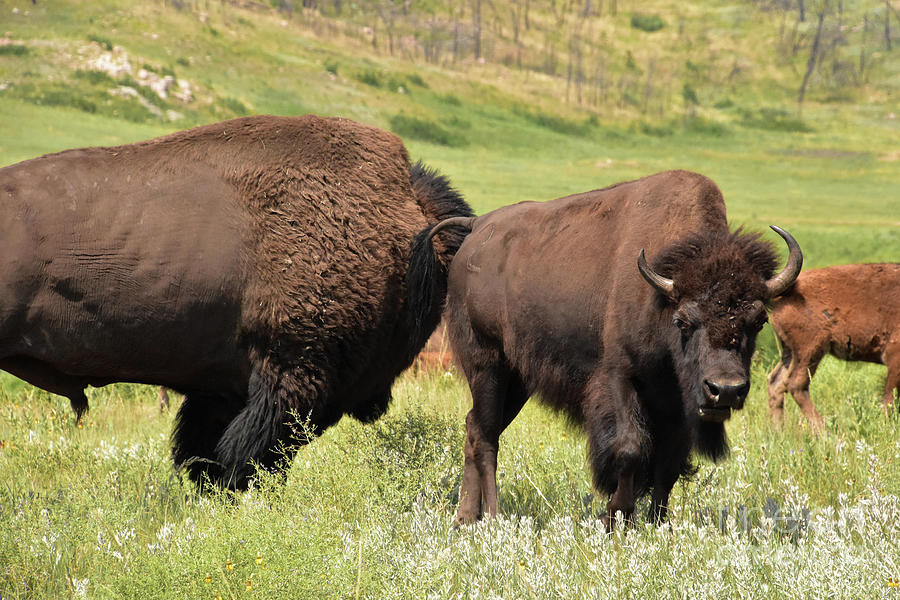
(426, 278)
(253, 438)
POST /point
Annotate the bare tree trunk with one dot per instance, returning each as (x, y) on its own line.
(386, 11)
(862, 51)
(476, 26)
(516, 16)
(811, 64)
(887, 24)
(802, 7)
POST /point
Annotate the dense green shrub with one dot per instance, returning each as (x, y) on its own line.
(416, 79)
(703, 126)
(648, 23)
(234, 105)
(555, 123)
(14, 50)
(425, 130)
(95, 77)
(450, 99)
(370, 77)
(104, 43)
(774, 119)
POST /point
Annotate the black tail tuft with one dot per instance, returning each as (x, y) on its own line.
(426, 279)
(251, 439)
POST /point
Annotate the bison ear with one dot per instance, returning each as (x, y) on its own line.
(662, 284)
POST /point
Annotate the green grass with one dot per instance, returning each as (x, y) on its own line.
(367, 511)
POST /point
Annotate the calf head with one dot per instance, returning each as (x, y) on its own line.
(714, 288)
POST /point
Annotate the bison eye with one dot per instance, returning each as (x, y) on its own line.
(681, 324)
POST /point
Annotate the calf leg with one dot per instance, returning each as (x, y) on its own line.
(891, 358)
(162, 398)
(798, 385)
(497, 397)
(777, 385)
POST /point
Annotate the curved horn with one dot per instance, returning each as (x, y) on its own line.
(663, 284)
(780, 283)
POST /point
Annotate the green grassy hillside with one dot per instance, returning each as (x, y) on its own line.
(502, 134)
(584, 95)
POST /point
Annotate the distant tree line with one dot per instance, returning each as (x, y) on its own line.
(831, 45)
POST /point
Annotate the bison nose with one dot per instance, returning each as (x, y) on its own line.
(727, 392)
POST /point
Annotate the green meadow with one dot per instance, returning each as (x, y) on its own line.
(97, 511)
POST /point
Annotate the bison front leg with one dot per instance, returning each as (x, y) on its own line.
(623, 498)
(619, 450)
(201, 420)
(670, 458)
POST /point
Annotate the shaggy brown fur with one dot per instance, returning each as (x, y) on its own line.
(547, 298)
(848, 311)
(259, 266)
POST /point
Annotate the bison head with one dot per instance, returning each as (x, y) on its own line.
(714, 288)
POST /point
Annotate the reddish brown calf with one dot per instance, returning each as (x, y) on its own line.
(848, 311)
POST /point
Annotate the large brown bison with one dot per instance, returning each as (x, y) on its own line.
(268, 268)
(556, 299)
(849, 311)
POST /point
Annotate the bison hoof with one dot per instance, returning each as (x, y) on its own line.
(612, 522)
(465, 519)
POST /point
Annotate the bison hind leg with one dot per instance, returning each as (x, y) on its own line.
(199, 425)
